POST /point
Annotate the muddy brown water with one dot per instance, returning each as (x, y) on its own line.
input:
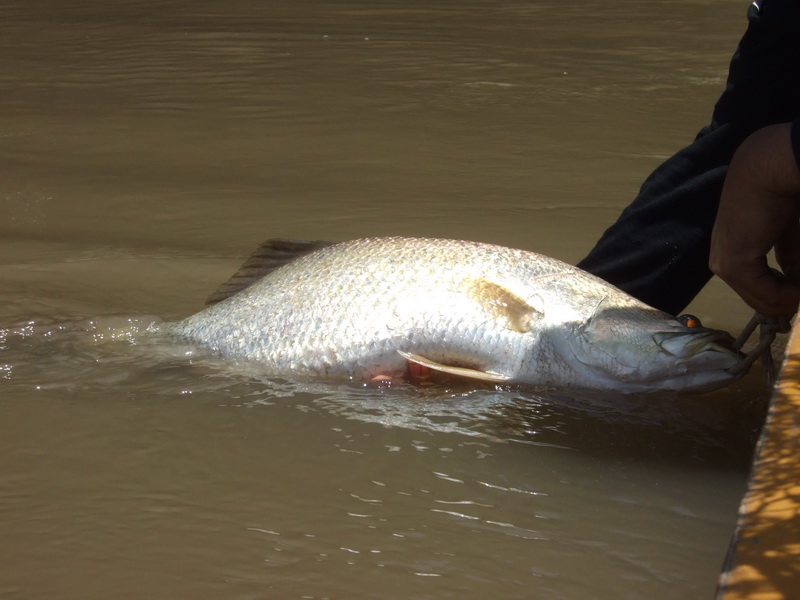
(146, 147)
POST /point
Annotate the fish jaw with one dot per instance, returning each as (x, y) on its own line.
(654, 354)
(705, 359)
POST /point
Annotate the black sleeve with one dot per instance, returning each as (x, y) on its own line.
(657, 250)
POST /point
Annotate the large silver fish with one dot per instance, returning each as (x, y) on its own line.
(370, 308)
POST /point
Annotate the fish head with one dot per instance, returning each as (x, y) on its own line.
(638, 348)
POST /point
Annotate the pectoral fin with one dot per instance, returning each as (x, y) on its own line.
(452, 370)
(502, 304)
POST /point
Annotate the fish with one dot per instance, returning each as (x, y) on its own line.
(374, 308)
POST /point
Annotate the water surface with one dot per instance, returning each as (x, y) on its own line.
(148, 146)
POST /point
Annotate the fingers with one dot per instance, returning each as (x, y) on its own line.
(741, 239)
(756, 283)
(741, 262)
(766, 293)
(758, 211)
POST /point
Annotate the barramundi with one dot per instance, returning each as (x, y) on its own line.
(372, 308)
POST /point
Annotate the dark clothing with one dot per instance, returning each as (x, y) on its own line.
(658, 249)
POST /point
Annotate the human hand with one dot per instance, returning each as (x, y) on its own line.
(760, 210)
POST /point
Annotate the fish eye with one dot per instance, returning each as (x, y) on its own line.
(688, 320)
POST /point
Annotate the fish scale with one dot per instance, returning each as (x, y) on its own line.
(367, 307)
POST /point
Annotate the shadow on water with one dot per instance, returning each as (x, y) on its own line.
(670, 428)
(83, 357)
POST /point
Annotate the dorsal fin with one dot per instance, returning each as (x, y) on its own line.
(269, 256)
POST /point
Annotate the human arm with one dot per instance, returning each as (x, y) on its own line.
(760, 210)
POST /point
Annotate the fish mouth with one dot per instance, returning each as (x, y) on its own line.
(715, 347)
(703, 359)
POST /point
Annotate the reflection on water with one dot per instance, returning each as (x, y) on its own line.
(295, 483)
(147, 146)
(86, 355)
